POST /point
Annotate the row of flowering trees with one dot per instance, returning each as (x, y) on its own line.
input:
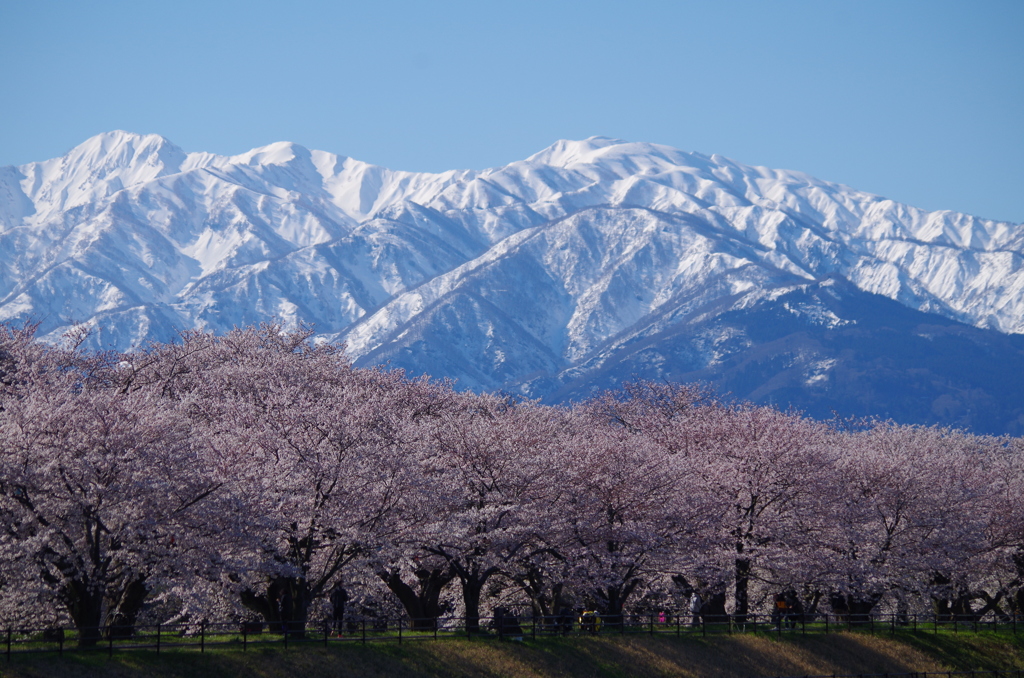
(259, 475)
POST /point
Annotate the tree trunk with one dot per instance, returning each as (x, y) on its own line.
(742, 608)
(615, 602)
(85, 606)
(125, 610)
(284, 605)
(1017, 603)
(546, 605)
(423, 606)
(295, 606)
(473, 581)
(811, 600)
(856, 610)
(713, 611)
(265, 605)
(472, 586)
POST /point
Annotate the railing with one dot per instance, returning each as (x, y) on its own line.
(996, 673)
(242, 635)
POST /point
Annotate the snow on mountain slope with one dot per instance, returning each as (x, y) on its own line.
(523, 276)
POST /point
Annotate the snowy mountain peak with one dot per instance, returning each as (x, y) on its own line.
(135, 155)
(279, 153)
(98, 168)
(567, 152)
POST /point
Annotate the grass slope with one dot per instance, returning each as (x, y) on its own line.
(739, 656)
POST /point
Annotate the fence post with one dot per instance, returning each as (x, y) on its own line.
(703, 627)
(9, 632)
(202, 636)
(652, 625)
(364, 632)
(327, 633)
(826, 623)
(110, 641)
(400, 625)
(158, 639)
(60, 644)
(245, 636)
(677, 626)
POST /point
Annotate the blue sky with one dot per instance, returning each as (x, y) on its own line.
(922, 102)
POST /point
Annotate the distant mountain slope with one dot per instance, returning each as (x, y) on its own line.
(587, 263)
(827, 348)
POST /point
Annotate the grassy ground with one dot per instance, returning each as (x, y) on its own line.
(740, 656)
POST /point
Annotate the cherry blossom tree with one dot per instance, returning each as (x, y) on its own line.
(915, 505)
(676, 417)
(621, 508)
(310, 446)
(768, 472)
(1005, 529)
(485, 470)
(756, 480)
(265, 466)
(682, 421)
(94, 484)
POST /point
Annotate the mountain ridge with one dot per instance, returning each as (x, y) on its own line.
(515, 277)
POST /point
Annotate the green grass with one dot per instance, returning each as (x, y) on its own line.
(719, 655)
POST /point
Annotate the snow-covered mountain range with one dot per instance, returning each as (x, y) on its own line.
(587, 263)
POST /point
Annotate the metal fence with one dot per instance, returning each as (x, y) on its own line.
(1009, 673)
(241, 635)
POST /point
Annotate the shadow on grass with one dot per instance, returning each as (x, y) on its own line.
(738, 656)
(606, 657)
(983, 651)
